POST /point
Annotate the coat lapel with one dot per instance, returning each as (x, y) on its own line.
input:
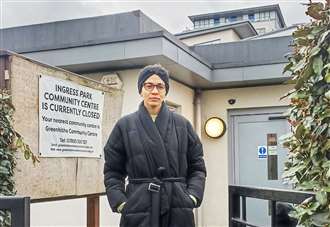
(152, 135)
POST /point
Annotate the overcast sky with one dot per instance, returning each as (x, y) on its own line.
(171, 14)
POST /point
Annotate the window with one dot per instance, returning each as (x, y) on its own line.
(197, 24)
(251, 17)
(264, 16)
(216, 21)
(256, 16)
(231, 18)
(222, 20)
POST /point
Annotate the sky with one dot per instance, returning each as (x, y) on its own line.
(171, 14)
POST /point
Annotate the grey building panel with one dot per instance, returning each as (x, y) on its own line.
(143, 48)
(264, 74)
(228, 75)
(80, 55)
(246, 53)
(77, 32)
(170, 50)
(148, 25)
(187, 61)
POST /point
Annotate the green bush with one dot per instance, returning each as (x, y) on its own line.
(10, 142)
(308, 166)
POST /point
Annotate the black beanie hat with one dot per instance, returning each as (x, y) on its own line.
(150, 70)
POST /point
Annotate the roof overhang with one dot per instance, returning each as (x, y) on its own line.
(157, 47)
(184, 64)
(243, 29)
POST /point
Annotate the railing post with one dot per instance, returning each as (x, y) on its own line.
(273, 213)
(234, 207)
(93, 211)
(20, 213)
(19, 208)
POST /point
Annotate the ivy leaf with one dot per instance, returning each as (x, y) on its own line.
(300, 131)
(314, 51)
(317, 65)
(321, 197)
(328, 175)
(314, 10)
(4, 170)
(287, 67)
(327, 77)
(321, 219)
(324, 37)
(27, 154)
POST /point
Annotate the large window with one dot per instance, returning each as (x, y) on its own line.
(263, 16)
(204, 23)
(251, 17)
(231, 19)
(197, 24)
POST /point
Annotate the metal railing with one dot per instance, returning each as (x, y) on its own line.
(237, 202)
(19, 208)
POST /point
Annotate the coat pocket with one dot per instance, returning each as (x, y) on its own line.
(138, 200)
(180, 196)
(141, 219)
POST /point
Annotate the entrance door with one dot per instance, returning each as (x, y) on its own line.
(248, 162)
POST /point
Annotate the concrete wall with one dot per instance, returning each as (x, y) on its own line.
(55, 176)
(215, 103)
(224, 36)
(269, 25)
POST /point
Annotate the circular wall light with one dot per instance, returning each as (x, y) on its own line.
(215, 127)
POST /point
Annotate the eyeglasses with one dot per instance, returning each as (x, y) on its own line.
(150, 87)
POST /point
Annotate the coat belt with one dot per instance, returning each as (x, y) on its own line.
(156, 180)
(154, 187)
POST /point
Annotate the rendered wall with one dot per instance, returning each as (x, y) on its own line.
(215, 103)
(224, 36)
(54, 177)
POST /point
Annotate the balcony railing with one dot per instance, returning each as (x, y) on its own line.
(237, 202)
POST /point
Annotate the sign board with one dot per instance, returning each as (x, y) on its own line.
(272, 161)
(70, 119)
(272, 150)
(262, 152)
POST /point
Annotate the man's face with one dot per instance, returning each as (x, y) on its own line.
(153, 91)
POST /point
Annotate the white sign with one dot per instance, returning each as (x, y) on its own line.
(70, 119)
(262, 151)
(272, 150)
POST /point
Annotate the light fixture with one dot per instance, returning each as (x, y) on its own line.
(215, 127)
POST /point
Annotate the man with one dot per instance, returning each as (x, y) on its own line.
(162, 157)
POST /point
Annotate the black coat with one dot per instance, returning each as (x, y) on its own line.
(136, 148)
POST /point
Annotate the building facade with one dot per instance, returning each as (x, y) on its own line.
(265, 18)
(203, 80)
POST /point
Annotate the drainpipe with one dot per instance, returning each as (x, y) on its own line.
(198, 129)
